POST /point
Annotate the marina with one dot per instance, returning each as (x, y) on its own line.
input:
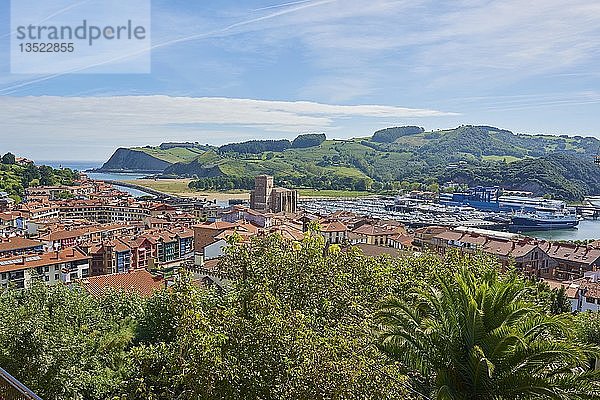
(557, 223)
(422, 214)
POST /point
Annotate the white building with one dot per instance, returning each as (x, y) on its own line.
(53, 267)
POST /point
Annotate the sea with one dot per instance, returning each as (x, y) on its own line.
(587, 229)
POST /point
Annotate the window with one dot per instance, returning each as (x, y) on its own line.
(3, 275)
(56, 276)
(46, 278)
(590, 300)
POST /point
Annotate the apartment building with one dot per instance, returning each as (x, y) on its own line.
(17, 245)
(63, 266)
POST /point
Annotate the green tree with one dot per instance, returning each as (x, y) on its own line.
(559, 302)
(587, 327)
(8, 159)
(65, 195)
(433, 187)
(470, 337)
(46, 175)
(65, 344)
(291, 324)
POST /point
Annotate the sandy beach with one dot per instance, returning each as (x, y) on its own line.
(180, 187)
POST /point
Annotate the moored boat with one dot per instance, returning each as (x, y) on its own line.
(542, 221)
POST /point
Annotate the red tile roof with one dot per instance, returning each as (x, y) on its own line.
(449, 235)
(137, 281)
(371, 250)
(18, 243)
(35, 260)
(431, 230)
(217, 225)
(406, 240)
(474, 239)
(570, 252)
(287, 232)
(333, 226)
(376, 230)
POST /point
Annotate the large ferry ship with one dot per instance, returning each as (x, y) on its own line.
(525, 213)
(542, 221)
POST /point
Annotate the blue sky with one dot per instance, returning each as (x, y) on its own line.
(266, 69)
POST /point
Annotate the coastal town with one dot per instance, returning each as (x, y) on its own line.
(96, 236)
(303, 199)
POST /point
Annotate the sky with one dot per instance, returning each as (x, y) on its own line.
(226, 71)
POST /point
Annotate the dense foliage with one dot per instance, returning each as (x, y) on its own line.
(561, 176)
(296, 321)
(478, 337)
(223, 183)
(9, 159)
(308, 140)
(256, 146)
(389, 135)
(15, 178)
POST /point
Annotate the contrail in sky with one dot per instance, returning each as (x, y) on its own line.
(302, 5)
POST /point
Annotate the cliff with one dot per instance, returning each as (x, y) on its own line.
(134, 160)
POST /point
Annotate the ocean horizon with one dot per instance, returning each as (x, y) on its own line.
(83, 166)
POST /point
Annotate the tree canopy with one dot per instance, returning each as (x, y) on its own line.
(308, 140)
(296, 320)
(472, 336)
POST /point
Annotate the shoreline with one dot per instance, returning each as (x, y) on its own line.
(179, 187)
(120, 171)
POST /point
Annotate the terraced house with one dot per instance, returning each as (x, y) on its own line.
(53, 267)
(550, 260)
(150, 250)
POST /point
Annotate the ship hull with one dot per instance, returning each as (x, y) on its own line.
(520, 224)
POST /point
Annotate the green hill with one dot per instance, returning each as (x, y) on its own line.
(152, 159)
(15, 178)
(563, 176)
(391, 155)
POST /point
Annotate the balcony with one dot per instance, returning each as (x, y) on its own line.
(12, 389)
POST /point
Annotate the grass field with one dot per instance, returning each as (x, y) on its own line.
(175, 186)
(173, 155)
(508, 159)
(180, 187)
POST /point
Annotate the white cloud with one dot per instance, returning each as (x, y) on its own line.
(162, 110)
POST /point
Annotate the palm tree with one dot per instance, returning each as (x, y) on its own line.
(479, 338)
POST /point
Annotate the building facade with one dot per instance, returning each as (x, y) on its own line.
(267, 198)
